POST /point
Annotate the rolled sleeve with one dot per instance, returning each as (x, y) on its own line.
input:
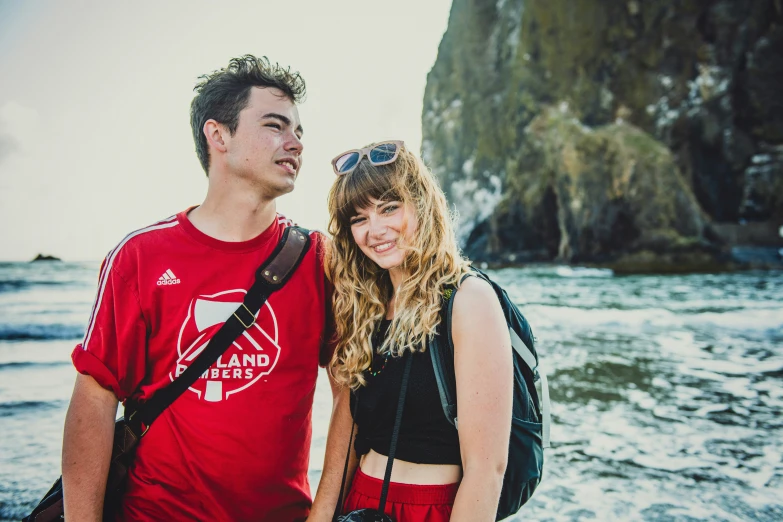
(114, 348)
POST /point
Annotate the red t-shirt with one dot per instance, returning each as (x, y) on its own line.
(235, 446)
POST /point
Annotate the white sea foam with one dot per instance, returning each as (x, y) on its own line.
(740, 365)
(669, 464)
(567, 271)
(602, 317)
(739, 387)
(642, 399)
(755, 319)
(711, 408)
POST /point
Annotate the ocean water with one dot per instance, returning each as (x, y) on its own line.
(666, 391)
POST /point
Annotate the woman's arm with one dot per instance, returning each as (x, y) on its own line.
(334, 459)
(484, 371)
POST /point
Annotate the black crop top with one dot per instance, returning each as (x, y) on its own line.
(426, 437)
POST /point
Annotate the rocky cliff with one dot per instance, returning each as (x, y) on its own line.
(617, 132)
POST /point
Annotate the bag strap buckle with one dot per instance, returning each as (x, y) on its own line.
(252, 316)
(141, 424)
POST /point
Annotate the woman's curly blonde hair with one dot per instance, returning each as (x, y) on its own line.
(362, 290)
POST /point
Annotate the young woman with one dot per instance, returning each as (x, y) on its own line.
(393, 257)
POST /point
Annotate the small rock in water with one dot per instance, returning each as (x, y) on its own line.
(42, 257)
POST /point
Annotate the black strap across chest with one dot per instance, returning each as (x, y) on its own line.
(392, 448)
(271, 276)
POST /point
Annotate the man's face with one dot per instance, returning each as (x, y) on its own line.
(266, 148)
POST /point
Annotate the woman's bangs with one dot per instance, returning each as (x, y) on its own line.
(357, 189)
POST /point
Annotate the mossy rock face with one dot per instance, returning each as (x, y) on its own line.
(593, 194)
(647, 262)
(697, 78)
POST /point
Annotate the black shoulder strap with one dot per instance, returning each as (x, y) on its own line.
(339, 507)
(270, 277)
(392, 446)
(395, 432)
(441, 347)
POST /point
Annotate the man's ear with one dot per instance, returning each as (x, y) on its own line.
(215, 133)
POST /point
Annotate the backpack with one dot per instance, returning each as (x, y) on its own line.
(531, 416)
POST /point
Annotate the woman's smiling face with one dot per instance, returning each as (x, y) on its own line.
(380, 230)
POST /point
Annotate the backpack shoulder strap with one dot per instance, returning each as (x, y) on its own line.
(437, 345)
(273, 273)
(441, 347)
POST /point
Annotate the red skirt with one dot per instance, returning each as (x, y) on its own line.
(404, 502)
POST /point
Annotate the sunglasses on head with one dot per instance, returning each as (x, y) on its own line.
(379, 154)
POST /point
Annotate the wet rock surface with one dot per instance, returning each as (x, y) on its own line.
(535, 111)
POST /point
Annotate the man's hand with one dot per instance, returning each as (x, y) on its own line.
(87, 444)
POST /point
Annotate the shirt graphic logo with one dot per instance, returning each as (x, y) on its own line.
(253, 354)
(168, 278)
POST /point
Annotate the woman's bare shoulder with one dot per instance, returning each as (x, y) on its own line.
(475, 302)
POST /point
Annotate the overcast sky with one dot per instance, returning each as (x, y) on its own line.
(94, 134)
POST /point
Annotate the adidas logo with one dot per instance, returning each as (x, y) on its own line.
(168, 278)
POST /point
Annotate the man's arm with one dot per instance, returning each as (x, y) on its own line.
(87, 445)
(334, 459)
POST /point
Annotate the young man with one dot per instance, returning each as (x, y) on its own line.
(235, 446)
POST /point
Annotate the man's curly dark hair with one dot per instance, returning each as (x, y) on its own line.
(222, 94)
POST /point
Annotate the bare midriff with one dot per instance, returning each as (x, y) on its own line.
(374, 465)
